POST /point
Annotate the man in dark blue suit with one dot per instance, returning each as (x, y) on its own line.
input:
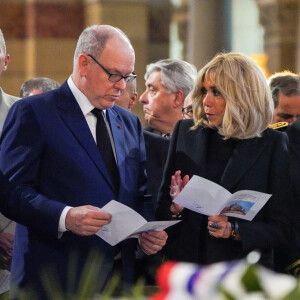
(61, 179)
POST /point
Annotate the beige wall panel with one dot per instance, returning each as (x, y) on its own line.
(131, 18)
(54, 57)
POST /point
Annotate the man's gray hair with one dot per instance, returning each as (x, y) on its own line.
(93, 39)
(2, 42)
(175, 74)
(286, 82)
(44, 84)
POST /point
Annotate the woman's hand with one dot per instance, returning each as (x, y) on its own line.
(177, 184)
(219, 227)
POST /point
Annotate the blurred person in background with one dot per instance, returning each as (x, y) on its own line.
(187, 110)
(287, 257)
(7, 227)
(168, 82)
(285, 87)
(6, 101)
(129, 96)
(37, 86)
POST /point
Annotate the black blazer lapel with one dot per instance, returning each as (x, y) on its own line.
(197, 150)
(72, 116)
(244, 156)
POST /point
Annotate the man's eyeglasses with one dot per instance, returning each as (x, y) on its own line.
(113, 77)
(187, 112)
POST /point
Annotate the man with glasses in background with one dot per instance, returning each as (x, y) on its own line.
(187, 110)
(168, 82)
(69, 152)
(129, 96)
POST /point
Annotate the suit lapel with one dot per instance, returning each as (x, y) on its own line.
(72, 116)
(244, 156)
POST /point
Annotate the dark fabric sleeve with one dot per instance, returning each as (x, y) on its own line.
(273, 227)
(21, 150)
(164, 199)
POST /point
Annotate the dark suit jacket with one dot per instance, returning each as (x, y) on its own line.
(287, 257)
(156, 153)
(52, 160)
(258, 164)
(294, 137)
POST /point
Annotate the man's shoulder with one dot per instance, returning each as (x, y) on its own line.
(124, 113)
(151, 136)
(149, 129)
(294, 132)
(280, 126)
(296, 125)
(8, 99)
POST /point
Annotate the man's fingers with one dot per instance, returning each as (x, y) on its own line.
(155, 237)
(86, 220)
(153, 241)
(96, 222)
(148, 246)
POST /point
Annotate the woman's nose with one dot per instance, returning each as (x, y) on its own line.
(207, 100)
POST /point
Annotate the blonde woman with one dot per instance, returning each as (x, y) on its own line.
(228, 142)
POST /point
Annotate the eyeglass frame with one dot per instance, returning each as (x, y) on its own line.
(128, 78)
(187, 111)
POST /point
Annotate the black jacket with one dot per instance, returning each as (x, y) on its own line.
(259, 164)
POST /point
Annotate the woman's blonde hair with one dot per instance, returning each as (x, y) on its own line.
(243, 85)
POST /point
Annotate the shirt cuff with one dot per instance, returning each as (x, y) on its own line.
(62, 221)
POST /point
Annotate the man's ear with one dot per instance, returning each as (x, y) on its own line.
(179, 99)
(6, 62)
(133, 99)
(83, 64)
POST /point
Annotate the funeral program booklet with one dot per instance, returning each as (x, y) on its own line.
(208, 198)
(126, 223)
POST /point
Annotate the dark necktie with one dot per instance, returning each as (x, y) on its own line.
(105, 148)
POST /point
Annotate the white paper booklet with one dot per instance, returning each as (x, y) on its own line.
(208, 198)
(126, 223)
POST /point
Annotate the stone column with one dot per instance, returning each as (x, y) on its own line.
(208, 30)
(280, 19)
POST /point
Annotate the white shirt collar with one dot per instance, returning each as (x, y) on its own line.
(82, 100)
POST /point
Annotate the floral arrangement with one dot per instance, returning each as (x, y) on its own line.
(236, 280)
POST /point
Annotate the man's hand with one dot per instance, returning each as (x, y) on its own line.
(86, 220)
(153, 241)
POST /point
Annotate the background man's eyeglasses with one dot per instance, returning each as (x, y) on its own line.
(114, 77)
(187, 112)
